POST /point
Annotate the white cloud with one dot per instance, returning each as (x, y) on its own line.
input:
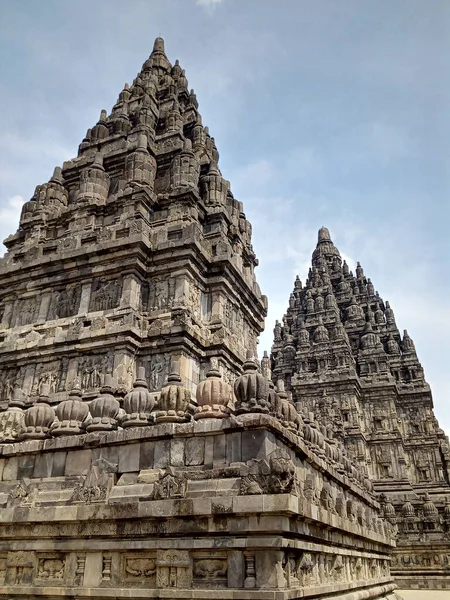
(208, 3)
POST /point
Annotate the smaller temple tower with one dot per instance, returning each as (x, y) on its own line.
(341, 355)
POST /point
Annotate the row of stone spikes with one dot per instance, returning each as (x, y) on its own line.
(253, 393)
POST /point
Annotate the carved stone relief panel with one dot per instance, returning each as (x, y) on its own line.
(210, 570)
(139, 569)
(162, 293)
(156, 369)
(51, 568)
(19, 568)
(26, 311)
(174, 569)
(105, 294)
(2, 568)
(92, 370)
(9, 378)
(65, 302)
(50, 373)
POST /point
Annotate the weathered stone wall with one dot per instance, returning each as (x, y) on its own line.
(237, 506)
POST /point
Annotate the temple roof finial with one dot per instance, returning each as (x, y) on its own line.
(324, 235)
(158, 46)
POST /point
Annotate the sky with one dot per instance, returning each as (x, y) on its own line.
(325, 112)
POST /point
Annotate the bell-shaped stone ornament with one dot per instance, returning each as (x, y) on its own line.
(213, 395)
(175, 403)
(105, 409)
(12, 420)
(40, 417)
(251, 389)
(289, 415)
(139, 403)
(71, 414)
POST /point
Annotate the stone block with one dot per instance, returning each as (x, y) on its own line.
(177, 452)
(26, 466)
(59, 463)
(195, 451)
(93, 569)
(209, 451)
(43, 465)
(146, 455)
(129, 458)
(78, 462)
(269, 569)
(219, 450)
(256, 444)
(234, 447)
(236, 569)
(11, 468)
(162, 454)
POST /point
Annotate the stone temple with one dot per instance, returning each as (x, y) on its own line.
(144, 451)
(341, 356)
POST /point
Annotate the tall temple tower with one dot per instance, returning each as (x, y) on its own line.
(134, 254)
(341, 356)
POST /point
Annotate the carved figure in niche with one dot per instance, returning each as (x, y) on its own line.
(105, 294)
(20, 566)
(194, 300)
(26, 312)
(65, 303)
(162, 293)
(92, 371)
(306, 568)
(156, 376)
(173, 569)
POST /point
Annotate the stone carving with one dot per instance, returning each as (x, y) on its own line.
(170, 485)
(251, 389)
(40, 417)
(210, 569)
(175, 402)
(140, 567)
(19, 567)
(139, 403)
(174, 569)
(105, 294)
(93, 369)
(162, 293)
(213, 395)
(97, 483)
(65, 302)
(105, 409)
(71, 414)
(273, 475)
(51, 568)
(12, 420)
(25, 312)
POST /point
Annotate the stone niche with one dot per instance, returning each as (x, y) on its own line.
(226, 508)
